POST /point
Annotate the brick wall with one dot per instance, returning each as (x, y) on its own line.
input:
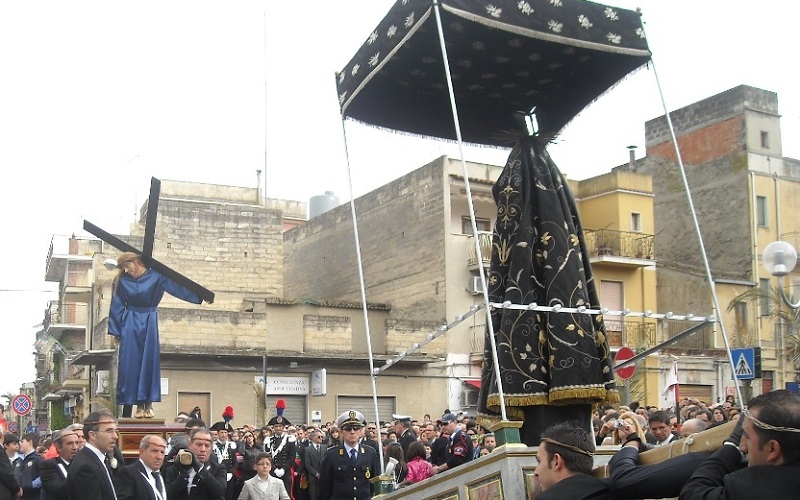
(710, 143)
(711, 110)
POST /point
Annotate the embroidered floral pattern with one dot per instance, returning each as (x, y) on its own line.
(537, 247)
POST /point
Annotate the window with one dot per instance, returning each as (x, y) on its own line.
(765, 139)
(767, 381)
(612, 298)
(764, 303)
(740, 312)
(483, 225)
(761, 211)
(636, 222)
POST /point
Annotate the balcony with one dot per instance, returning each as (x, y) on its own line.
(485, 240)
(701, 340)
(59, 317)
(625, 248)
(634, 334)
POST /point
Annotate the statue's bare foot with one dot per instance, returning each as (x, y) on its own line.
(148, 413)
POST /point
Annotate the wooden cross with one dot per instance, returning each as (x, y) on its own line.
(147, 246)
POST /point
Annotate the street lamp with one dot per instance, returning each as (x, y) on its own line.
(779, 259)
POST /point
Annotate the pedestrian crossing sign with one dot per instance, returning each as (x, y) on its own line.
(745, 364)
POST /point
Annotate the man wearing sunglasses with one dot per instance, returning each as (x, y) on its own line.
(346, 470)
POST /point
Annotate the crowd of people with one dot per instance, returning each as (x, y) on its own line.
(661, 426)
(340, 459)
(758, 460)
(276, 461)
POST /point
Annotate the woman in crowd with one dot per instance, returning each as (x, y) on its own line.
(395, 450)
(334, 439)
(263, 433)
(629, 425)
(719, 416)
(249, 451)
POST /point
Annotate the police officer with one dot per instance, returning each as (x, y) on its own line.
(459, 449)
(346, 470)
(283, 448)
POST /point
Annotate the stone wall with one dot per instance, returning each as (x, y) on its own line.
(712, 141)
(401, 228)
(231, 249)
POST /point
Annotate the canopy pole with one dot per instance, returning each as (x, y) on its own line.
(360, 266)
(696, 223)
(474, 225)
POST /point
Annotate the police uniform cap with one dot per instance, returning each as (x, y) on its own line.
(222, 426)
(279, 419)
(401, 418)
(351, 417)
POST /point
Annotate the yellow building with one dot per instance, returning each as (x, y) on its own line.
(616, 210)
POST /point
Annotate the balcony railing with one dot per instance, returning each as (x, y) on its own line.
(634, 334)
(58, 313)
(702, 339)
(610, 242)
(599, 242)
(485, 240)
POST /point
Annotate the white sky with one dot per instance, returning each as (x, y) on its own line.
(97, 97)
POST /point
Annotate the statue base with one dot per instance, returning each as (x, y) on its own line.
(132, 430)
(506, 433)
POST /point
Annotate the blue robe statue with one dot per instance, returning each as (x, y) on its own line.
(133, 317)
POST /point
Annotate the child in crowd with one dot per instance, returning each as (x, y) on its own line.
(418, 468)
(262, 485)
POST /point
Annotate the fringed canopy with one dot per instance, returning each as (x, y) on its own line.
(507, 57)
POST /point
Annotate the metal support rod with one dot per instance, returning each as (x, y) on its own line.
(676, 338)
(481, 270)
(696, 223)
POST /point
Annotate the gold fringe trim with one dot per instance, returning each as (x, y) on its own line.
(555, 397)
(577, 396)
(612, 397)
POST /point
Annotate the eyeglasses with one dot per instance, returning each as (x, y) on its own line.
(351, 428)
(370, 428)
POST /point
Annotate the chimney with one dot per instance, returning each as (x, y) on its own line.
(632, 160)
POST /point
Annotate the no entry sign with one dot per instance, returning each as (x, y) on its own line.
(624, 354)
(21, 404)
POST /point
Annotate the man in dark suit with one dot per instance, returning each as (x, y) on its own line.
(54, 470)
(89, 475)
(346, 470)
(311, 458)
(142, 479)
(406, 435)
(200, 479)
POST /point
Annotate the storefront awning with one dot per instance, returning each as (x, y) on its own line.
(474, 383)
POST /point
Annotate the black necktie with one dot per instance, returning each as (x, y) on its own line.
(108, 466)
(353, 455)
(159, 484)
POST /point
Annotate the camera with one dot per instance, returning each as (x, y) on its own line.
(618, 424)
(185, 458)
